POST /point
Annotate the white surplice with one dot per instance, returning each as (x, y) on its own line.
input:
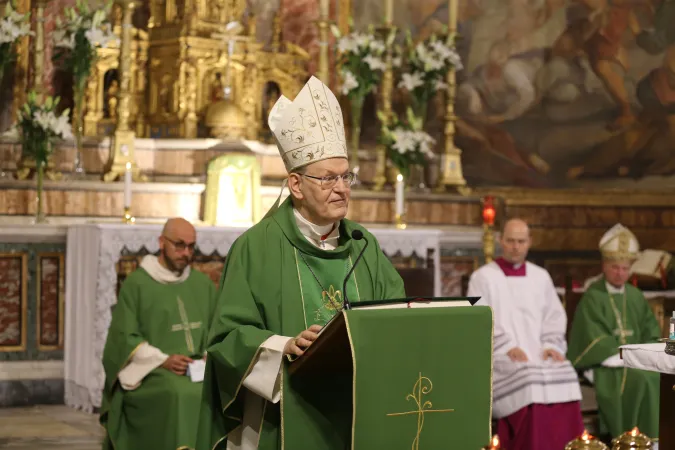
(263, 382)
(529, 315)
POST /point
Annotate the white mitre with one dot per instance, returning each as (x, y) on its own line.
(309, 128)
(619, 243)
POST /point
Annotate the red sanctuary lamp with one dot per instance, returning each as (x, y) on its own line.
(489, 214)
(494, 444)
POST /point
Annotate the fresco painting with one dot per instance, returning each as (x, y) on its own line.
(558, 93)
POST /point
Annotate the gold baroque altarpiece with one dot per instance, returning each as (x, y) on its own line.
(180, 68)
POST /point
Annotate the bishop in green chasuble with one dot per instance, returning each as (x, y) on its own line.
(613, 313)
(159, 323)
(282, 281)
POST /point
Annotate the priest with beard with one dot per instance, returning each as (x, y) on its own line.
(282, 283)
(536, 392)
(155, 344)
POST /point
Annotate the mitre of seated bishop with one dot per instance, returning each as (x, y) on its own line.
(310, 128)
(619, 243)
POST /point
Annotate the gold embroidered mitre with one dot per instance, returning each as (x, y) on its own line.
(309, 128)
(619, 243)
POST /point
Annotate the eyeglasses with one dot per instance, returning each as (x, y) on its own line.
(180, 245)
(329, 181)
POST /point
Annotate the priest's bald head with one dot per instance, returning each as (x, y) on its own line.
(619, 248)
(515, 241)
(177, 244)
(309, 132)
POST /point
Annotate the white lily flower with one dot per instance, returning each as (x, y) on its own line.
(349, 82)
(375, 64)
(411, 82)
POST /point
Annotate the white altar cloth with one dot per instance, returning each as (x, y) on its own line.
(91, 253)
(651, 357)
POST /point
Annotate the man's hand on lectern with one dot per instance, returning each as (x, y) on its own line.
(517, 354)
(298, 345)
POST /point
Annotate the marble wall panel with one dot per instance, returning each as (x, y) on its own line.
(50, 300)
(13, 301)
(33, 310)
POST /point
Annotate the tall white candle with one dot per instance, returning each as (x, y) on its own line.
(127, 186)
(325, 6)
(399, 195)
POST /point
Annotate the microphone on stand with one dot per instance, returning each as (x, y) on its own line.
(357, 235)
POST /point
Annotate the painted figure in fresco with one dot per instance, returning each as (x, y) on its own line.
(596, 30)
(499, 91)
(646, 147)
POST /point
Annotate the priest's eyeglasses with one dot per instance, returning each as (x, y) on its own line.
(180, 245)
(329, 181)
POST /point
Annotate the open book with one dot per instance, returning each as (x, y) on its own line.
(409, 302)
(652, 264)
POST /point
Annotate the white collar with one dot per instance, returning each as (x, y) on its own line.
(161, 274)
(313, 233)
(613, 289)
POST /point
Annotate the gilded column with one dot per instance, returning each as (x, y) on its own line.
(387, 92)
(39, 59)
(122, 151)
(324, 24)
(451, 162)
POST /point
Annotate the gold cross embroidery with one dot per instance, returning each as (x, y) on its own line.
(331, 301)
(422, 387)
(186, 326)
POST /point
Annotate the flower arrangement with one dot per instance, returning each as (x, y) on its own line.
(361, 62)
(406, 143)
(38, 127)
(77, 38)
(427, 65)
(13, 27)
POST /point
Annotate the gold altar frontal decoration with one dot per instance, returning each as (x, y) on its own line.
(184, 62)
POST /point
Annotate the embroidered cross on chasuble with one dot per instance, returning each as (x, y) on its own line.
(321, 283)
(186, 326)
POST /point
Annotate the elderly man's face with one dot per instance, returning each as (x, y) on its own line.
(323, 200)
(616, 273)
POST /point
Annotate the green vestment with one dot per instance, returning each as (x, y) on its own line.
(267, 289)
(602, 323)
(163, 412)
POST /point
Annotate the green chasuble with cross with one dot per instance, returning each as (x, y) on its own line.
(163, 412)
(408, 386)
(602, 323)
(278, 283)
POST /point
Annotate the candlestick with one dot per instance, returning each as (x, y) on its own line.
(128, 218)
(127, 186)
(632, 440)
(389, 12)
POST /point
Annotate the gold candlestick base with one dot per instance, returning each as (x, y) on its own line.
(400, 222)
(128, 218)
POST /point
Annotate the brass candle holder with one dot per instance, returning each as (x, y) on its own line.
(494, 444)
(586, 442)
(632, 440)
(400, 222)
(128, 218)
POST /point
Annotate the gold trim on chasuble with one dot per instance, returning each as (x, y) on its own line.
(423, 386)
(621, 331)
(186, 326)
